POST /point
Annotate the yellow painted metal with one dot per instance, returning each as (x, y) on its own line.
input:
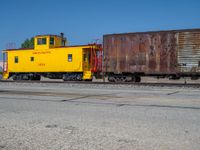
(87, 75)
(5, 75)
(57, 42)
(86, 65)
(48, 58)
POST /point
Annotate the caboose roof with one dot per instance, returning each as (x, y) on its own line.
(84, 46)
(41, 35)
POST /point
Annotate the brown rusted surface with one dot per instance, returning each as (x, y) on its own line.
(159, 52)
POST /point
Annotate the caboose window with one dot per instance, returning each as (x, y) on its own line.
(32, 58)
(16, 59)
(41, 41)
(51, 41)
(69, 57)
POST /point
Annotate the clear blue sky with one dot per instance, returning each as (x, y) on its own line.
(83, 21)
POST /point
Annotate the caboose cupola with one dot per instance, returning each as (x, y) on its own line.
(49, 41)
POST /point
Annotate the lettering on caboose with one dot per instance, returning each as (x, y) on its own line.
(41, 64)
(46, 52)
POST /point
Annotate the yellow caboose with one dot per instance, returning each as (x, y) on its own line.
(53, 59)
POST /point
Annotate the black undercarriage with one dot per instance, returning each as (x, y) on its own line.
(112, 77)
(72, 76)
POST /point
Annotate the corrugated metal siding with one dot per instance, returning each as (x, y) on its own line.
(189, 51)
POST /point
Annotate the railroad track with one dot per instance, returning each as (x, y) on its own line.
(161, 84)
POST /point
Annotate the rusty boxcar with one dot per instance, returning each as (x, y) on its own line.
(173, 54)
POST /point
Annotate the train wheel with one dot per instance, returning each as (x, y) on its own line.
(111, 79)
(72, 77)
(137, 79)
(36, 77)
(79, 77)
(14, 77)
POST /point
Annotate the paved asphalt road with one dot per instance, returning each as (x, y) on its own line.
(49, 116)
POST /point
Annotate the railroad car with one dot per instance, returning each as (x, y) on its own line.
(51, 58)
(173, 54)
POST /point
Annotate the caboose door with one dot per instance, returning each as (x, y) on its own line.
(86, 60)
(87, 73)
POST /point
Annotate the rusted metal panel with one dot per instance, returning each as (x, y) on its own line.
(141, 52)
(189, 51)
(162, 52)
